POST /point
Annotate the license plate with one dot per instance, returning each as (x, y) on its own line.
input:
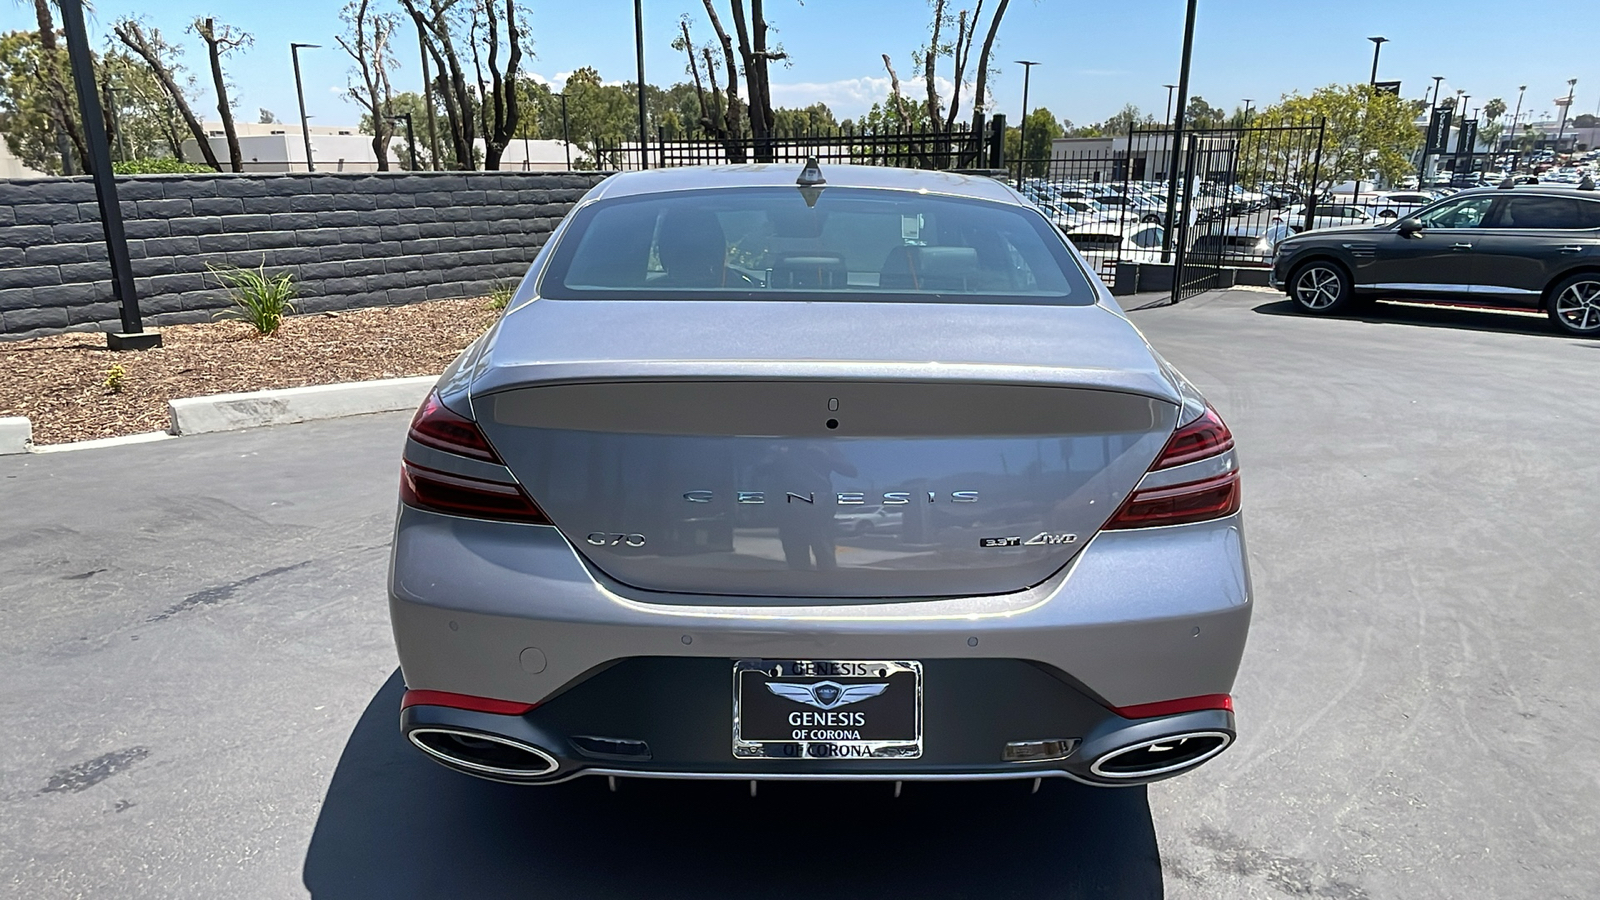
(827, 709)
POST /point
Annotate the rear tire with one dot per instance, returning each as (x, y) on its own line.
(1575, 304)
(1321, 288)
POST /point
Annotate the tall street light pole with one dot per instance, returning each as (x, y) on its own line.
(1176, 136)
(565, 140)
(1435, 102)
(1572, 85)
(1022, 139)
(1521, 89)
(1170, 88)
(1246, 120)
(1377, 45)
(299, 91)
(638, 46)
(133, 336)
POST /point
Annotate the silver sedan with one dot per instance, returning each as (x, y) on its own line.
(629, 537)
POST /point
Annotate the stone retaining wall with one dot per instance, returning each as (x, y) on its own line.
(350, 240)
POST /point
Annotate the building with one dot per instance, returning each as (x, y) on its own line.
(343, 148)
(11, 167)
(278, 147)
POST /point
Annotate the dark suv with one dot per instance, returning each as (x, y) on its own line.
(1530, 246)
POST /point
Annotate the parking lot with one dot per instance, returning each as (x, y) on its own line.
(201, 693)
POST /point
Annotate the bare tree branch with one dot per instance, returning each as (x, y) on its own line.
(218, 42)
(894, 93)
(152, 49)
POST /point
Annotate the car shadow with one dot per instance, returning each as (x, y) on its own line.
(395, 825)
(1397, 313)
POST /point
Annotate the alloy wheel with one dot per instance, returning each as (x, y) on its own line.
(1318, 288)
(1577, 307)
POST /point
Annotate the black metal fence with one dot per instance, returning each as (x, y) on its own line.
(1237, 193)
(969, 147)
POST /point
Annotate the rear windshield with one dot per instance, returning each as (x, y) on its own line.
(838, 244)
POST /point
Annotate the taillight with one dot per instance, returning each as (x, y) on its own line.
(462, 496)
(436, 426)
(1205, 436)
(1211, 497)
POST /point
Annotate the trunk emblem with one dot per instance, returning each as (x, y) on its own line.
(841, 498)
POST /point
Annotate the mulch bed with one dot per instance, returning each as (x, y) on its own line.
(60, 381)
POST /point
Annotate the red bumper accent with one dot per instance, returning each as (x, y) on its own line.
(1173, 707)
(464, 701)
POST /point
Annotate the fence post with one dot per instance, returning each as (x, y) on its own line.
(1316, 173)
(997, 141)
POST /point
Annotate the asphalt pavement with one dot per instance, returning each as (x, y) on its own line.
(200, 691)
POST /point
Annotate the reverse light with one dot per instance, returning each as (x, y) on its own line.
(1213, 497)
(458, 495)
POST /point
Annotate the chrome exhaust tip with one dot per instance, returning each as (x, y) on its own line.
(483, 754)
(1160, 756)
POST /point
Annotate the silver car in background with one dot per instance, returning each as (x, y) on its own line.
(850, 473)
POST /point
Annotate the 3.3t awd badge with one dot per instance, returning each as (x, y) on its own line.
(1041, 539)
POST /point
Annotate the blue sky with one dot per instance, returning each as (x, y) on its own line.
(1096, 55)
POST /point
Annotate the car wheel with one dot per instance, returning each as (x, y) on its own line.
(1575, 304)
(1321, 288)
(1387, 214)
(1151, 219)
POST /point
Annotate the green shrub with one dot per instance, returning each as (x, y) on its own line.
(163, 165)
(114, 378)
(500, 294)
(258, 298)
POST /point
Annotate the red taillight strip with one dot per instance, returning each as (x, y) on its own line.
(458, 495)
(1179, 504)
(1173, 707)
(1205, 436)
(439, 427)
(465, 701)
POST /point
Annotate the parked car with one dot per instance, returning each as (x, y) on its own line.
(1239, 244)
(1535, 246)
(619, 557)
(1396, 204)
(1326, 215)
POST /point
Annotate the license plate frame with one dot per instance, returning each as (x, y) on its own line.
(843, 724)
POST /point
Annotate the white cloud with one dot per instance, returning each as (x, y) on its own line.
(852, 97)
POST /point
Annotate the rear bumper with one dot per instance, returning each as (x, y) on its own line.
(512, 612)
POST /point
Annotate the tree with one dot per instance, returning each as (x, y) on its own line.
(498, 96)
(266, 116)
(412, 103)
(1494, 109)
(1368, 132)
(56, 103)
(161, 58)
(367, 40)
(436, 21)
(966, 23)
(219, 42)
(1200, 115)
(795, 123)
(721, 112)
(1043, 128)
(1586, 121)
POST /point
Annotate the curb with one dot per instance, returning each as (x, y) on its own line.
(16, 434)
(231, 412)
(234, 412)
